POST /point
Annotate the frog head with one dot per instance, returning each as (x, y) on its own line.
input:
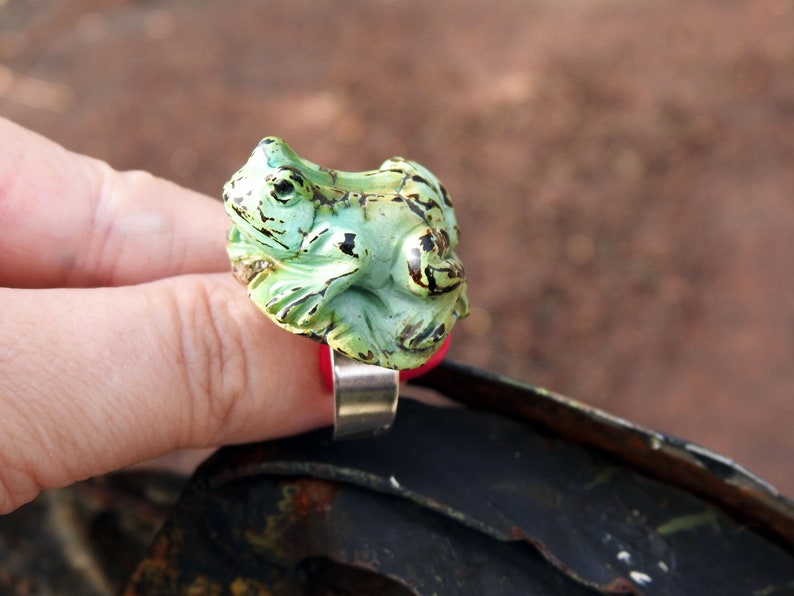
(270, 199)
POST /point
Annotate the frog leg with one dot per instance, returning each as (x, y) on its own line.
(362, 327)
(436, 279)
(428, 268)
(296, 292)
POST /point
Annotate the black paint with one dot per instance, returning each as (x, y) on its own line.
(348, 245)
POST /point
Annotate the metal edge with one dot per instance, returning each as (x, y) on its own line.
(674, 461)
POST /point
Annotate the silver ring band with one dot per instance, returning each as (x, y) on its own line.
(365, 397)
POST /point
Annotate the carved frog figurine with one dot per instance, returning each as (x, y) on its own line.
(362, 261)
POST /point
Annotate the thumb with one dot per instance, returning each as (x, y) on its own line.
(95, 379)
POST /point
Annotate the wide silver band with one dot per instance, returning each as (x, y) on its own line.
(365, 397)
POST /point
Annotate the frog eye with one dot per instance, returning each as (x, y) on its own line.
(283, 187)
(286, 185)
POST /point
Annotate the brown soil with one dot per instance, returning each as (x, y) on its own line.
(624, 171)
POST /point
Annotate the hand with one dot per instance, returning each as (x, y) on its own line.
(122, 334)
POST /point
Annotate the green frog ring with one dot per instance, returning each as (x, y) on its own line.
(363, 262)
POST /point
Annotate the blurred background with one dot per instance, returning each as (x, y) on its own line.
(623, 170)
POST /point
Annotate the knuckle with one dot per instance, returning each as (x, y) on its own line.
(215, 366)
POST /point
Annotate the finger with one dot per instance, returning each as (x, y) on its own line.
(93, 380)
(70, 220)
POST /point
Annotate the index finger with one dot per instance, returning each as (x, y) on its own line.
(70, 220)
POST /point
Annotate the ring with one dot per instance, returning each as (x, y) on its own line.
(362, 262)
(365, 397)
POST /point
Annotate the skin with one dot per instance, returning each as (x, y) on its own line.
(122, 334)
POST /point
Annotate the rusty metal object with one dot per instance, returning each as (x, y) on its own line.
(460, 501)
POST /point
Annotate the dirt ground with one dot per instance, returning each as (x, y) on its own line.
(623, 171)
